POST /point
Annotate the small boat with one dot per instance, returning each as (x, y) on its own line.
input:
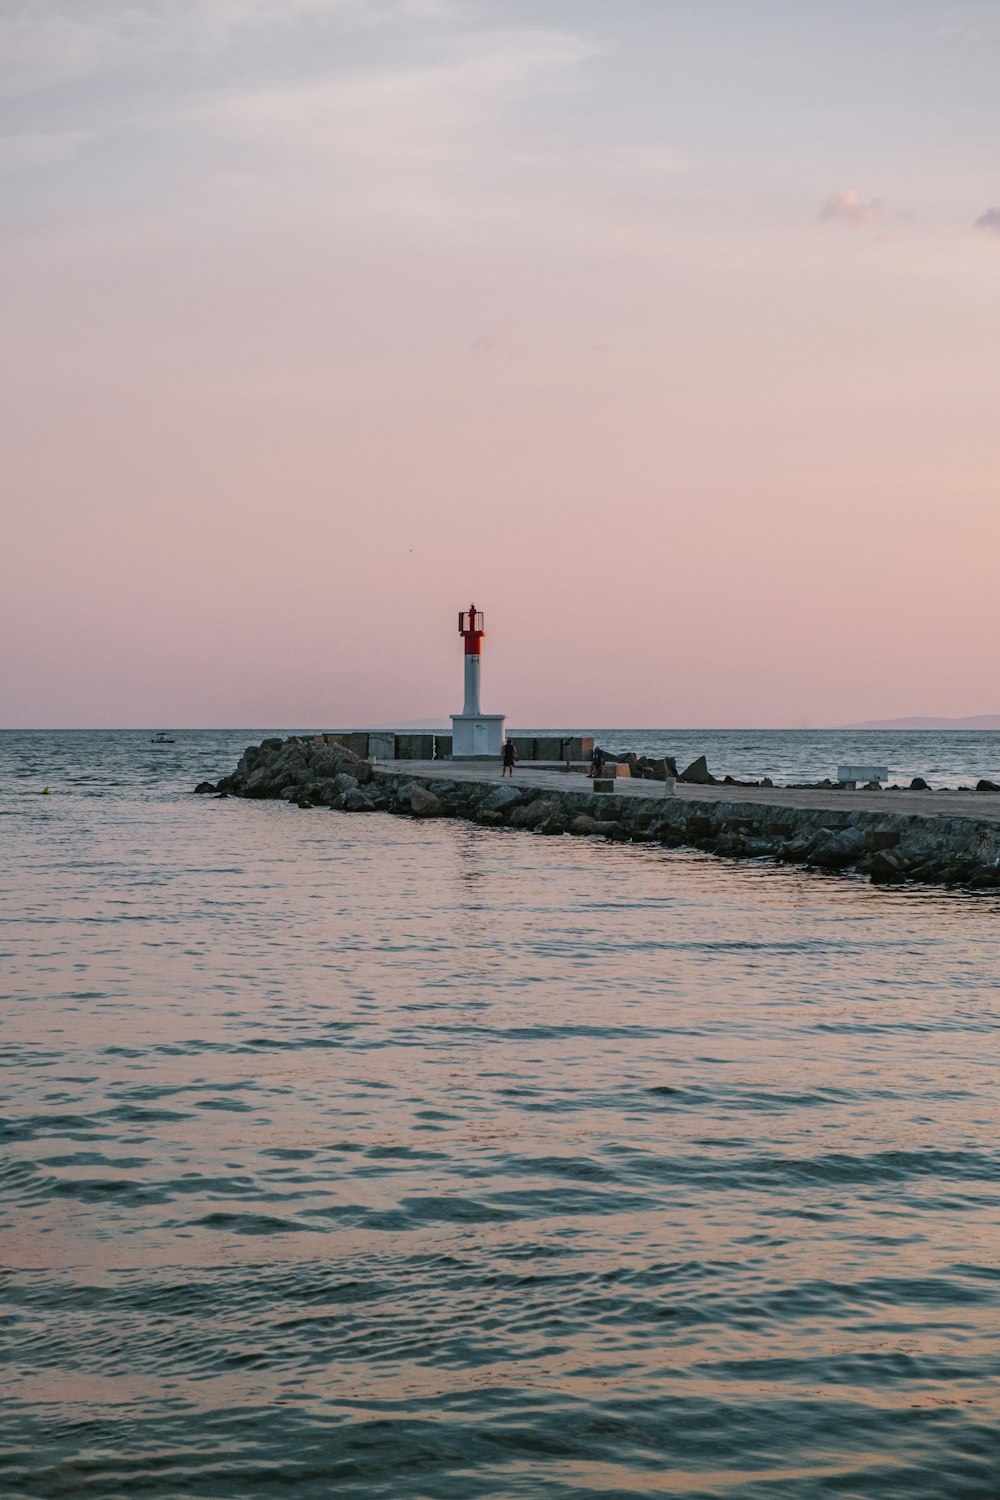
(162, 738)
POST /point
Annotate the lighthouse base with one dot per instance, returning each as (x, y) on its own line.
(476, 736)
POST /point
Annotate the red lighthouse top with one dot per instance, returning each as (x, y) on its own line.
(471, 628)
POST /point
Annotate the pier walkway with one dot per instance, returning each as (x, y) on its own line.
(978, 806)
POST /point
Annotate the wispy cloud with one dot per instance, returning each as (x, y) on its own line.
(990, 220)
(424, 139)
(848, 207)
(45, 42)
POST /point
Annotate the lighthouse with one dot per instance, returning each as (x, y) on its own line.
(475, 735)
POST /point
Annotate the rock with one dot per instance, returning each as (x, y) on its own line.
(766, 781)
(205, 786)
(536, 812)
(490, 817)
(887, 868)
(607, 809)
(838, 850)
(918, 784)
(345, 783)
(326, 764)
(794, 851)
(424, 804)
(665, 831)
(501, 800)
(585, 824)
(698, 827)
(260, 783)
(987, 786)
(360, 800)
(698, 774)
(877, 839)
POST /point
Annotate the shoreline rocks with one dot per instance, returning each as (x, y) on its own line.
(890, 848)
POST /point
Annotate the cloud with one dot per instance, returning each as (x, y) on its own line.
(421, 140)
(46, 42)
(989, 220)
(848, 207)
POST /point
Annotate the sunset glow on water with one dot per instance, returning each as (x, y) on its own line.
(410, 1159)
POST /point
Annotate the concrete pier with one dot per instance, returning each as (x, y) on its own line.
(930, 838)
(979, 806)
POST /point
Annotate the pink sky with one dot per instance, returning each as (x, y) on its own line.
(667, 337)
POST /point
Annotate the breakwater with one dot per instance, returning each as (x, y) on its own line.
(888, 845)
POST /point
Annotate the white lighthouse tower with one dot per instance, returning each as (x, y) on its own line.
(475, 735)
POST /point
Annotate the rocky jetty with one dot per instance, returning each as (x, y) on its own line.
(888, 847)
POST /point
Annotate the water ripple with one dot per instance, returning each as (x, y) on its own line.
(389, 1159)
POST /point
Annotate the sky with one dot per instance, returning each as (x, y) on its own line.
(664, 331)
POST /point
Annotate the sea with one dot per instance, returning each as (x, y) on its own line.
(357, 1156)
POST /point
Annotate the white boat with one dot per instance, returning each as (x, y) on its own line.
(162, 738)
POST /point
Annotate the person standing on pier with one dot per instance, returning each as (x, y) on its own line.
(507, 759)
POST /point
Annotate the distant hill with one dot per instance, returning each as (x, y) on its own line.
(976, 721)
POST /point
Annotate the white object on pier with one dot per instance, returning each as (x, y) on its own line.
(851, 775)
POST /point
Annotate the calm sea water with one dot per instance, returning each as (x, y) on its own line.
(364, 1157)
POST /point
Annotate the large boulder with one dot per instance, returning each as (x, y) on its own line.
(987, 786)
(504, 798)
(260, 783)
(583, 823)
(836, 850)
(424, 804)
(359, 799)
(325, 763)
(536, 812)
(698, 774)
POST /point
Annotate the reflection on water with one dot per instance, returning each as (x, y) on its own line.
(359, 1156)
